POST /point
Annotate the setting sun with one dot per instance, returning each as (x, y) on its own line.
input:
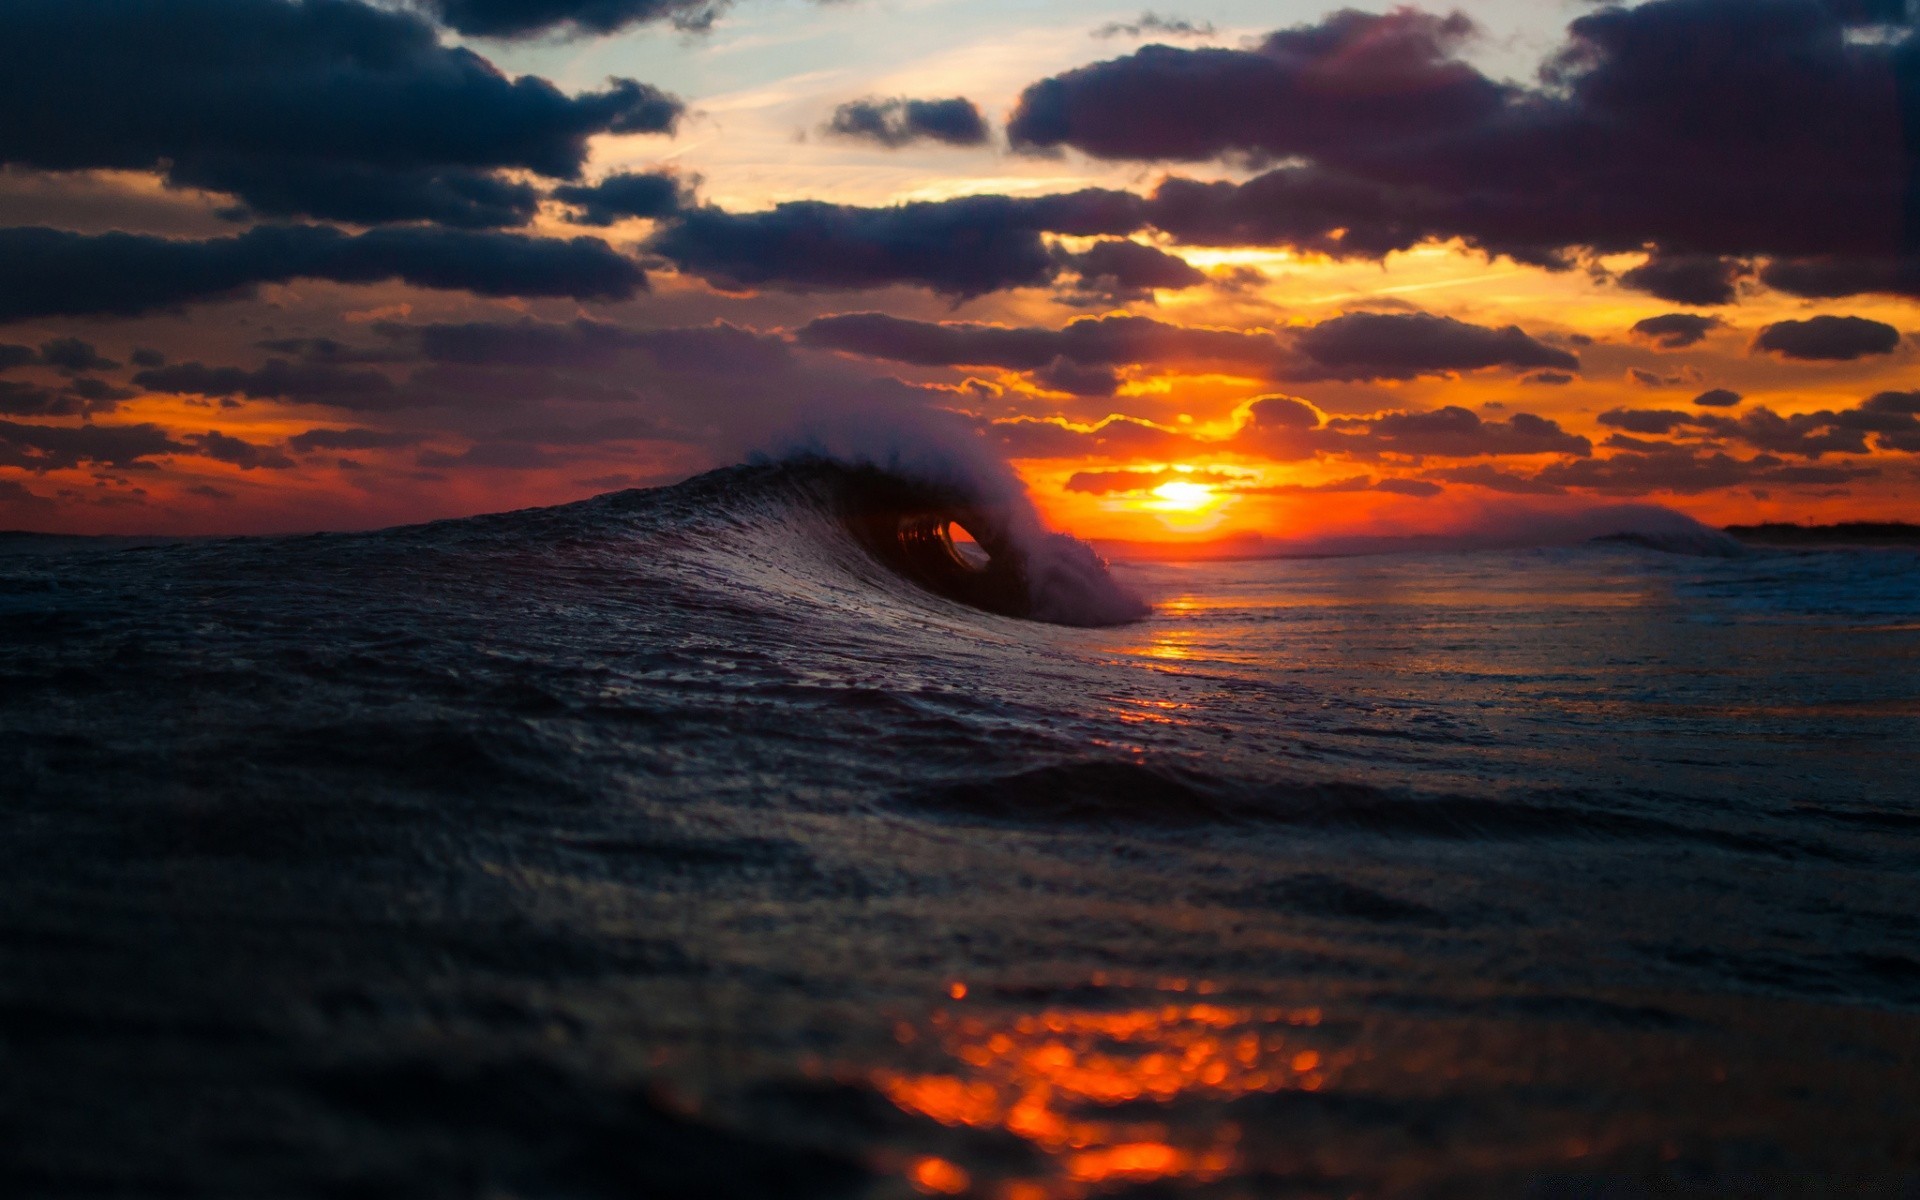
(1181, 496)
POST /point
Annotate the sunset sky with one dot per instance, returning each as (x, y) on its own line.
(1215, 269)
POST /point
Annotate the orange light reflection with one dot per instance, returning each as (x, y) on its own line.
(1058, 1079)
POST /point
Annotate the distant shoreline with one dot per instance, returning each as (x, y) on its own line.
(1845, 533)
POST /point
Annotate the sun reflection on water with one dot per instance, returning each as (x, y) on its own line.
(1094, 1089)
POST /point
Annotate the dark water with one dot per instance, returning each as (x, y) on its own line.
(674, 844)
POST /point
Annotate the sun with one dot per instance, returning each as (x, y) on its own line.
(1181, 496)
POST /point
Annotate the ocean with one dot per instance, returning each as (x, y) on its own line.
(748, 838)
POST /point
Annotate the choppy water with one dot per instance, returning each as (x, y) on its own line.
(675, 844)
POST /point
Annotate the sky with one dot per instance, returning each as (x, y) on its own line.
(1197, 272)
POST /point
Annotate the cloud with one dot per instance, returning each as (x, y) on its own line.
(1718, 398)
(350, 439)
(1405, 345)
(1354, 78)
(1907, 403)
(1351, 347)
(278, 379)
(900, 121)
(239, 453)
(18, 497)
(1675, 331)
(1698, 279)
(1830, 277)
(1494, 479)
(652, 195)
(1805, 435)
(1114, 437)
(1828, 339)
(1704, 132)
(322, 108)
(1287, 428)
(83, 396)
(1419, 488)
(1063, 375)
(1451, 432)
(52, 272)
(962, 248)
(531, 18)
(1685, 472)
(1106, 483)
(1088, 341)
(1153, 25)
(72, 354)
(1119, 269)
(716, 349)
(45, 448)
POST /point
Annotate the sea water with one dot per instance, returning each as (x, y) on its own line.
(672, 843)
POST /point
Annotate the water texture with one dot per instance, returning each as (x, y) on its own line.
(684, 843)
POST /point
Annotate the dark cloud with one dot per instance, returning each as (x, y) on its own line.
(1350, 347)
(1317, 210)
(964, 247)
(18, 496)
(1698, 279)
(1548, 378)
(322, 350)
(59, 447)
(1089, 341)
(1451, 432)
(717, 349)
(1718, 398)
(1288, 428)
(1153, 25)
(1804, 435)
(1834, 276)
(1893, 402)
(1420, 488)
(1356, 78)
(33, 400)
(17, 356)
(1064, 375)
(325, 108)
(350, 439)
(72, 354)
(1675, 331)
(1115, 437)
(900, 121)
(1106, 483)
(1685, 472)
(618, 197)
(147, 357)
(1641, 377)
(1705, 132)
(237, 452)
(529, 18)
(278, 379)
(82, 396)
(1128, 270)
(51, 272)
(1649, 420)
(1406, 345)
(1828, 339)
(1495, 480)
